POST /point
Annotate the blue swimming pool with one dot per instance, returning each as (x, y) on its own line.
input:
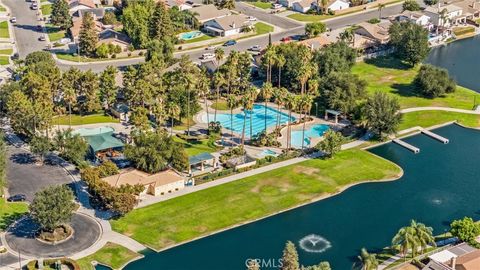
(257, 115)
(315, 131)
(190, 35)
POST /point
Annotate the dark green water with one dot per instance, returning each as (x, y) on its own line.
(440, 183)
(461, 59)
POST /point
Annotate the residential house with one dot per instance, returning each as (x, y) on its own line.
(316, 42)
(227, 26)
(376, 32)
(77, 25)
(110, 36)
(76, 5)
(415, 17)
(181, 4)
(287, 3)
(459, 257)
(97, 13)
(209, 12)
(334, 5)
(470, 8)
(155, 184)
(446, 16)
(302, 6)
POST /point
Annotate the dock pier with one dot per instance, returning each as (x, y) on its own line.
(435, 136)
(410, 147)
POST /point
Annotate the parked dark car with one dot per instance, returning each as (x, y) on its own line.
(229, 43)
(15, 56)
(17, 198)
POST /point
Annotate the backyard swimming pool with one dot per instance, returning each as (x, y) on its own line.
(257, 117)
(315, 131)
(190, 35)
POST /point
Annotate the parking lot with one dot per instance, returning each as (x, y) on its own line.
(25, 176)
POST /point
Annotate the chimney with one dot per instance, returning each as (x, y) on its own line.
(453, 262)
(233, 24)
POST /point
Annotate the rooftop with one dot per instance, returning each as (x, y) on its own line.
(136, 177)
(209, 12)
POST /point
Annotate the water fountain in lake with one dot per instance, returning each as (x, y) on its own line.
(314, 243)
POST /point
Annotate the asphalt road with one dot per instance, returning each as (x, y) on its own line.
(26, 31)
(278, 21)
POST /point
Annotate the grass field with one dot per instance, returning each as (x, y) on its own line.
(432, 118)
(54, 33)
(263, 28)
(3, 9)
(308, 17)
(203, 212)
(4, 30)
(10, 212)
(112, 255)
(260, 4)
(4, 60)
(6, 51)
(46, 9)
(390, 76)
(221, 105)
(201, 38)
(195, 148)
(84, 120)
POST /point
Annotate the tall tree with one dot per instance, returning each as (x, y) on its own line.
(70, 84)
(3, 161)
(410, 41)
(280, 62)
(434, 82)
(89, 93)
(232, 103)
(405, 239)
(381, 114)
(61, 15)
(218, 81)
(424, 235)
(173, 111)
(136, 21)
(305, 105)
(314, 29)
(368, 260)
(219, 55)
(266, 93)
(331, 143)
(71, 146)
(290, 257)
(291, 101)
(52, 207)
(160, 24)
(40, 146)
(108, 87)
(88, 36)
(465, 229)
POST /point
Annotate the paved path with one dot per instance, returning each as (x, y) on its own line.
(447, 109)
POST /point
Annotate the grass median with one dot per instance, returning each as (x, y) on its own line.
(391, 76)
(431, 118)
(197, 214)
(9, 212)
(112, 255)
(84, 120)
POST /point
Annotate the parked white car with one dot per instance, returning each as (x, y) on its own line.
(206, 56)
(210, 48)
(252, 19)
(255, 48)
(276, 6)
(13, 20)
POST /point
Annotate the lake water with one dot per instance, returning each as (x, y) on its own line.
(440, 184)
(461, 59)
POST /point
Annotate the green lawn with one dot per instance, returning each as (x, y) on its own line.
(201, 38)
(390, 76)
(195, 148)
(9, 212)
(54, 33)
(431, 118)
(112, 255)
(4, 60)
(221, 105)
(4, 30)
(6, 51)
(84, 120)
(46, 9)
(3, 9)
(260, 4)
(308, 17)
(263, 28)
(197, 214)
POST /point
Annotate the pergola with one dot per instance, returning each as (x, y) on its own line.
(103, 142)
(334, 113)
(201, 159)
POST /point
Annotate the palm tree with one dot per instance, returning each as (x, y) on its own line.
(269, 58)
(279, 95)
(305, 106)
(369, 261)
(231, 103)
(204, 89)
(219, 54)
(219, 81)
(423, 234)
(173, 111)
(443, 18)
(266, 93)
(252, 96)
(381, 6)
(405, 239)
(246, 104)
(280, 61)
(291, 103)
(348, 36)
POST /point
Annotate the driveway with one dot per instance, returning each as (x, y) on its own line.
(21, 238)
(26, 32)
(26, 177)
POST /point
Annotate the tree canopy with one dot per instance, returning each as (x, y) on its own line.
(314, 29)
(410, 41)
(434, 82)
(465, 229)
(381, 114)
(61, 14)
(52, 206)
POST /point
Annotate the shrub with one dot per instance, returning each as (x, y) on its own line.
(465, 229)
(411, 5)
(434, 82)
(374, 21)
(102, 51)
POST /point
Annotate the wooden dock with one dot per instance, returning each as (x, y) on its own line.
(410, 147)
(435, 136)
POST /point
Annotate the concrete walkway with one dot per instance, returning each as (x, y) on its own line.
(447, 109)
